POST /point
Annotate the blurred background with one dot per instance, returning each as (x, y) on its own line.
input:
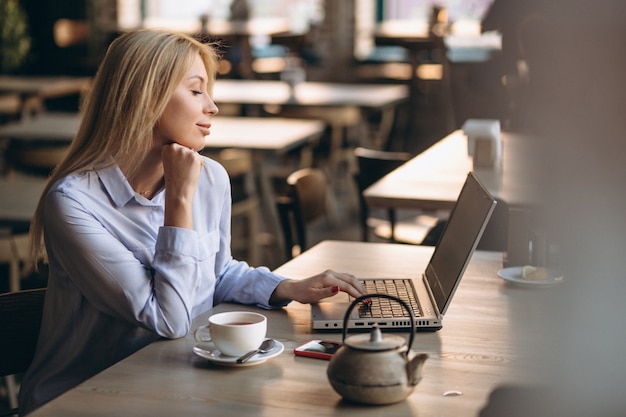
(552, 69)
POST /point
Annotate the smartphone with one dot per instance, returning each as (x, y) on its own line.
(318, 349)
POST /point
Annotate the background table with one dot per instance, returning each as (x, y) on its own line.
(433, 179)
(34, 89)
(474, 352)
(261, 133)
(339, 104)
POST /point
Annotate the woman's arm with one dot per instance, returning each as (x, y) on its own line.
(110, 274)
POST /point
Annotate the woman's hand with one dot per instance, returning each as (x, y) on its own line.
(181, 169)
(315, 288)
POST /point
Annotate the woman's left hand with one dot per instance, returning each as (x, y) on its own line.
(317, 287)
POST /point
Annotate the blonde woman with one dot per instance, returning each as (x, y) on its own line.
(136, 224)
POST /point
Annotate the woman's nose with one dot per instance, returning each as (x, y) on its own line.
(210, 107)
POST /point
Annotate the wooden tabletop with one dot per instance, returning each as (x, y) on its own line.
(44, 86)
(261, 133)
(275, 134)
(322, 94)
(473, 353)
(45, 128)
(434, 178)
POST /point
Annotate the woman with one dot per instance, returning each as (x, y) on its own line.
(136, 224)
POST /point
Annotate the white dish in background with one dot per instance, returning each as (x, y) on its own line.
(210, 352)
(514, 276)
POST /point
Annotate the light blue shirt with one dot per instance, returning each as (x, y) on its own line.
(119, 280)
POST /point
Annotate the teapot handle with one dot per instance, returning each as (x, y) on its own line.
(390, 297)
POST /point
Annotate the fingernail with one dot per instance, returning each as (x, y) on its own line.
(336, 288)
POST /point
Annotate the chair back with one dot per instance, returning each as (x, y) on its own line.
(306, 202)
(245, 200)
(372, 166)
(37, 159)
(20, 320)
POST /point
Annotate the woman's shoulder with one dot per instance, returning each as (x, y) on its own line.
(73, 181)
(214, 170)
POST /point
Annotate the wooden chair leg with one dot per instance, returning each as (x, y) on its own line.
(12, 390)
(284, 206)
(391, 214)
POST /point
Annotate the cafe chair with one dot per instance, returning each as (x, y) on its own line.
(36, 159)
(494, 238)
(14, 240)
(344, 127)
(14, 253)
(20, 320)
(307, 201)
(372, 165)
(245, 200)
(420, 229)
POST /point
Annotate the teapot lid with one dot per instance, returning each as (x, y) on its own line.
(375, 341)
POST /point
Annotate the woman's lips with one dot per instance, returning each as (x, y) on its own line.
(205, 128)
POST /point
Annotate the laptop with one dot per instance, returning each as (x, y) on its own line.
(429, 297)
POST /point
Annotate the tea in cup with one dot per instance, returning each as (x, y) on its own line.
(234, 333)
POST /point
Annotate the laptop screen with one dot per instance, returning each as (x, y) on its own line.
(458, 241)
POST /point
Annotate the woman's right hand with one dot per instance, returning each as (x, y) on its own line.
(181, 170)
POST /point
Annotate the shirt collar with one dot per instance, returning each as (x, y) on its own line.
(118, 187)
(115, 184)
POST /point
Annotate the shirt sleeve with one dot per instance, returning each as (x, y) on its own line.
(238, 282)
(112, 279)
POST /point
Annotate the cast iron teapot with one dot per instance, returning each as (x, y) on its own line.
(375, 368)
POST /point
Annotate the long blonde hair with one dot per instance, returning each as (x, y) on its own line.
(130, 91)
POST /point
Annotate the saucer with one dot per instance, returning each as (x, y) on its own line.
(514, 276)
(210, 352)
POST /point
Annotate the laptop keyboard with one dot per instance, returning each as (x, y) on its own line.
(384, 307)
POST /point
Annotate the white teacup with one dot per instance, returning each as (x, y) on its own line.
(234, 332)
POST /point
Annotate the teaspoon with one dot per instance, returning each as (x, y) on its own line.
(266, 346)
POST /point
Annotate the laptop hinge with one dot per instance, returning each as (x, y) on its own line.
(432, 297)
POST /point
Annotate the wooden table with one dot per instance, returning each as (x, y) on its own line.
(258, 133)
(433, 179)
(474, 352)
(339, 104)
(45, 128)
(34, 89)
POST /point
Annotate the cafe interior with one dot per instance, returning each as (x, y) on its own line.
(352, 125)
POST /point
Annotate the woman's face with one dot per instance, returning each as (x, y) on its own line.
(187, 117)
